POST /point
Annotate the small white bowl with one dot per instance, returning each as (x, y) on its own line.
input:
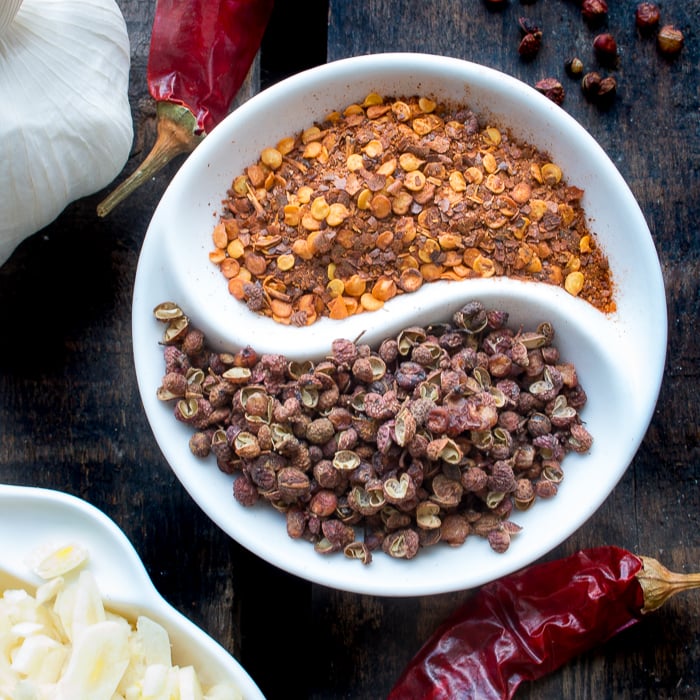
(32, 518)
(620, 357)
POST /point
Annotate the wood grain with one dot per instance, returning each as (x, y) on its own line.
(71, 416)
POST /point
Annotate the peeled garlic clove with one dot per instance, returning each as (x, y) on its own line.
(190, 689)
(80, 605)
(156, 681)
(98, 661)
(154, 642)
(50, 560)
(39, 657)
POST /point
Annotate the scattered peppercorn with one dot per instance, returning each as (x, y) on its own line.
(607, 90)
(573, 67)
(647, 17)
(599, 90)
(605, 48)
(590, 85)
(670, 40)
(552, 89)
(532, 39)
(529, 46)
(594, 12)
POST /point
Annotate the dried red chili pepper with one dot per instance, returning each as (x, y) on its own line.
(199, 56)
(526, 625)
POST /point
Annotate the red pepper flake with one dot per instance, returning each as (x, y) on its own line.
(524, 626)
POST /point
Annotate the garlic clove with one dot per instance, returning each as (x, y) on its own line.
(99, 659)
(50, 561)
(154, 642)
(190, 689)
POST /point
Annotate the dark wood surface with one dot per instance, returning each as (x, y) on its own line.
(71, 416)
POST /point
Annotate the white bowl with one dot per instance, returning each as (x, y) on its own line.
(32, 518)
(619, 357)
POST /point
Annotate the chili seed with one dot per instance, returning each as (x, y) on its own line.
(271, 157)
(574, 283)
(551, 173)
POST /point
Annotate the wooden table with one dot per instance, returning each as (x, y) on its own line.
(71, 416)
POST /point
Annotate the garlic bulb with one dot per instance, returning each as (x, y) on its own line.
(65, 120)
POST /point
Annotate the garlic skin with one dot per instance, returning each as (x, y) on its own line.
(65, 120)
(7, 13)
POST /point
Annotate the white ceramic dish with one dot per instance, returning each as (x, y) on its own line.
(32, 517)
(620, 357)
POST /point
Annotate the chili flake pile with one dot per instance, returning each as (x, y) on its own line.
(438, 434)
(393, 193)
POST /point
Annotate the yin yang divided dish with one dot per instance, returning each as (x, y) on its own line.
(619, 354)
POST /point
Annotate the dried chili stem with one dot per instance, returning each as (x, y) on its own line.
(659, 584)
(177, 134)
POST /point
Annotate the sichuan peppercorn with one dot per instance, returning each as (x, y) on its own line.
(386, 439)
(670, 40)
(605, 48)
(552, 89)
(573, 67)
(594, 12)
(647, 17)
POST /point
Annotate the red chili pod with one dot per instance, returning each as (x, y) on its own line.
(524, 626)
(199, 56)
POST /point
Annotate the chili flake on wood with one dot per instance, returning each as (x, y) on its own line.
(392, 193)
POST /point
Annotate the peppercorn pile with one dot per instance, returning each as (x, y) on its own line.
(393, 193)
(438, 434)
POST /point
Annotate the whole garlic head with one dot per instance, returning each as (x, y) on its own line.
(65, 120)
